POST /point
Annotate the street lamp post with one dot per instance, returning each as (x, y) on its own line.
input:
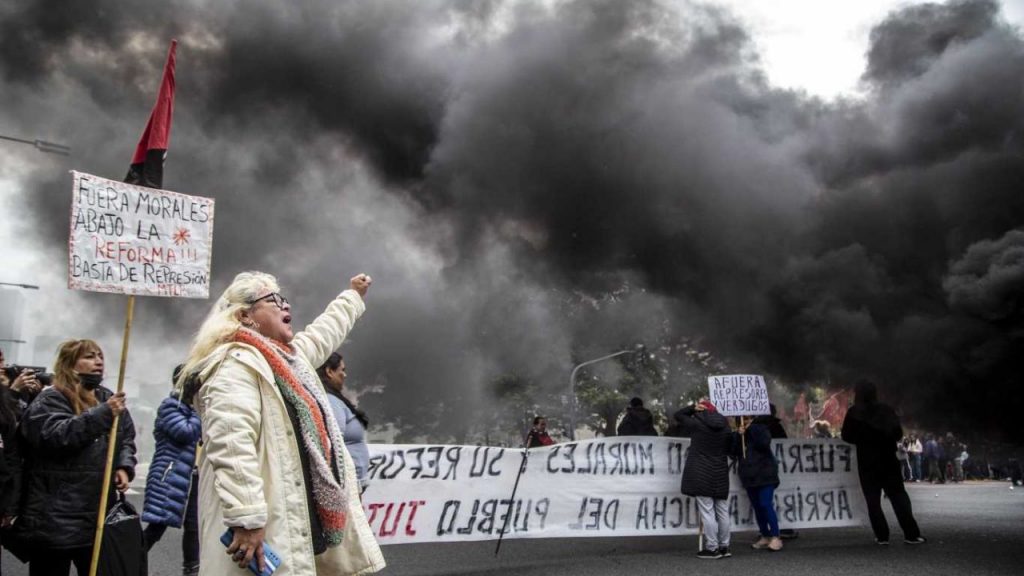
(572, 388)
(41, 145)
(16, 285)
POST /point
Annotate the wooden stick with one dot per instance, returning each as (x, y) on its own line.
(743, 436)
(700, 526)
(101, 516)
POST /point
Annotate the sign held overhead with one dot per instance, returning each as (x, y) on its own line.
(739, 394)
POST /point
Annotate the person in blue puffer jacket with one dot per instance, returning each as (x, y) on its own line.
(172, 483)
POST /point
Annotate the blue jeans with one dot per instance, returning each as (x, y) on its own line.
(915, 466)
(762, 498)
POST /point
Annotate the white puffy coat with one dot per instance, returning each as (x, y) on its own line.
(250, 471)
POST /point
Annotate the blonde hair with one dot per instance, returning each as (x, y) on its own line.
(65, 378)
(224, 318)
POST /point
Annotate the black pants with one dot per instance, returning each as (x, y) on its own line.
(58, 562)
(889, 481)
(190, 539)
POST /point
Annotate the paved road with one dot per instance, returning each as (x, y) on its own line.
(973, 528)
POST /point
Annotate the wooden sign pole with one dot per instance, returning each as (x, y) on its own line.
(743, 436)
(111, 444)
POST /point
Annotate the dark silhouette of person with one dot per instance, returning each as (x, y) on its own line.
(638, 420)
(875, 429)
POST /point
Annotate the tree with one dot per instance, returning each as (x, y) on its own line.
(515, 400)
(602, 401)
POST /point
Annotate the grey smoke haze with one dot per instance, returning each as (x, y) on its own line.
(493, 164)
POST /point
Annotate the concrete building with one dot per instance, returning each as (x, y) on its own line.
(12, 315)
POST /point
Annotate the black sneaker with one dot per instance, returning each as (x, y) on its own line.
(724, 552)
(918, 540)
(709, 554)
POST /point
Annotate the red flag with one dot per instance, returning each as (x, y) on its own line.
(147, 167)
(800, 411)
(834, 409)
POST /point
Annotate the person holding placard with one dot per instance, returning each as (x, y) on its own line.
(706, 473)
(875, 429)
(759, 474)
(274, 469)
(65, 432)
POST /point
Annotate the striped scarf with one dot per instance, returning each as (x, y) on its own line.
(302, 390)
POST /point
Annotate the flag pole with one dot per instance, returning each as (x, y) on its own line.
(111, 443)
(146, 169)
(512, 498)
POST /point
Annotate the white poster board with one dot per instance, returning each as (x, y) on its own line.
(622, 486)
(130, 239)
(739, 394)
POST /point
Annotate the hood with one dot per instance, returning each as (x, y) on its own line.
(767, 420)
(879, 418)
(642, 414)
(713, 420)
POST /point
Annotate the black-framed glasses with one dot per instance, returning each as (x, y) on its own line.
(275, 297)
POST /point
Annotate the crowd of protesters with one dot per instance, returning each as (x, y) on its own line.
(938, 459)
(887, 459)
(55, 454)
(251, 403)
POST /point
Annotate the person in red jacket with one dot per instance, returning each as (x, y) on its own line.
(538, 435)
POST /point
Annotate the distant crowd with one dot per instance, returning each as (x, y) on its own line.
(930, 457)
(260, 456)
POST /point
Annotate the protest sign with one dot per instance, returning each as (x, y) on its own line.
(739, 394)
(134, 240)
(624, 486)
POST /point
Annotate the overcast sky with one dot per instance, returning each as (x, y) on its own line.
(820, 46)
(813, 189)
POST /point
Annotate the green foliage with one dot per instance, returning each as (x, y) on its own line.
(600, 404)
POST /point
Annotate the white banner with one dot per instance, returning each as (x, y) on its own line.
(739, 394)
(624, 486)
(135, 240)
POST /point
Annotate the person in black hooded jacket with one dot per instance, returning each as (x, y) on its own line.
(638, 420)
(875, 429)
(772, 422)
(10, 457)
(706, 473)
(64, 433)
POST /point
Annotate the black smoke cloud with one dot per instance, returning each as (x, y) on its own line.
(496, 164)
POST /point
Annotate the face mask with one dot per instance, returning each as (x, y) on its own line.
(90, 381)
